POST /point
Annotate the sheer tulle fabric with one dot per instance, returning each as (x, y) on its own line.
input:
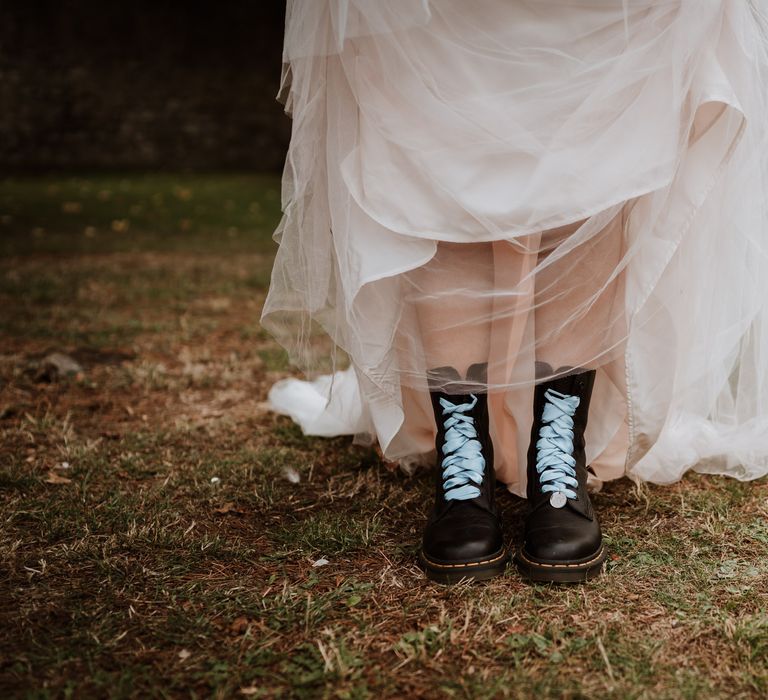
(581, 184)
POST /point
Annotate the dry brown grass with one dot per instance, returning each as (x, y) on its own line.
(172, 556)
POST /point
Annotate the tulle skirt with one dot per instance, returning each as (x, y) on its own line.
(533, 185)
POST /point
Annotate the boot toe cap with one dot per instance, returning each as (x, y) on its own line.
(562, 544)
(461, 544)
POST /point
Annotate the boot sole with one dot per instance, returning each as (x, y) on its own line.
(560, 572)
(455, 572)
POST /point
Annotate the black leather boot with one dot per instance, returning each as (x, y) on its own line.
(463, 538)
(563, 541)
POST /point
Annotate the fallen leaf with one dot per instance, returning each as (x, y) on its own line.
(184, 654)
(239, 626)
(54, 478)
(321, 562)
(228, 507)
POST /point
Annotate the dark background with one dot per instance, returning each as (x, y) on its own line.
(143, 85)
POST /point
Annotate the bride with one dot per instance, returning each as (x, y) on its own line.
(534, 234)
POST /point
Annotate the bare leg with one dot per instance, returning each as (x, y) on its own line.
(571, 326)
(453, 298)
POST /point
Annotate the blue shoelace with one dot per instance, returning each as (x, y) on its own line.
(463, 463)
(555, 463)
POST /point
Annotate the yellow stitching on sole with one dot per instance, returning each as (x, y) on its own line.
(561, 566)
(461, 566)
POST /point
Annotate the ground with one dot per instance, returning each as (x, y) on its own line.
(163, 534)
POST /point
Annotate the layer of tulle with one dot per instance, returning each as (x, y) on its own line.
(656, 278)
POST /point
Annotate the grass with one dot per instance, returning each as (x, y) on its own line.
(154, 543)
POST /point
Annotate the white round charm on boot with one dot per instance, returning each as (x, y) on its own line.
(557, 499)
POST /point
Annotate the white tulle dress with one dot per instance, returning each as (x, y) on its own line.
(581, 183)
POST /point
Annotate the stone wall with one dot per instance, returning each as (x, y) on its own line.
(148, 84)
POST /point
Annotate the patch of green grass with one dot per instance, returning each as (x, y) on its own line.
(275, 359)
(107, 213)
(328, 532)
(286, 433)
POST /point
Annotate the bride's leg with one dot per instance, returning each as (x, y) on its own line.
(452, 296)
(578, 299)
(576, 314)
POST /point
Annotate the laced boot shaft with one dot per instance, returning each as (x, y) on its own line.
(555, 463)
(463, 537)
(563, 541)
(464, 449)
